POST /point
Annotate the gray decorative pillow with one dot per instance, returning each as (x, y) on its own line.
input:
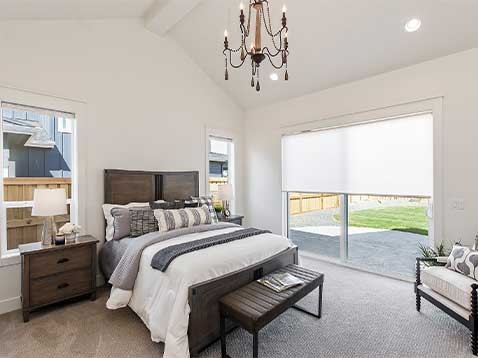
(464, 261)
(207, 200)
(142, 221)
(121, 222)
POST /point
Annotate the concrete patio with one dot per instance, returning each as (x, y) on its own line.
(383, 251)
(379, 250)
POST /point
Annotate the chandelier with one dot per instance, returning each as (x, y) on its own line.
(277, 55)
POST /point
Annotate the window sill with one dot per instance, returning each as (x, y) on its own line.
(10, 258)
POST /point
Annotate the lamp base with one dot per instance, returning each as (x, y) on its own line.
(48, 234)
(225, 209)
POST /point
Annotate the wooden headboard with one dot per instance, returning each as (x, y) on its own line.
(127, 186)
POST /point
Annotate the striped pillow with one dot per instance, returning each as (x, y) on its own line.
(187, 217)
(207, 200)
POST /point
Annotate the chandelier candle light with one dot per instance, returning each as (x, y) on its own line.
(256, 52)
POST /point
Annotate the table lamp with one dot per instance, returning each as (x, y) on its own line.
(48, 203)
(226, 194)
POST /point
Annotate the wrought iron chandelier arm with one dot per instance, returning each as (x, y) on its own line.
(229, 58)
(270, 56)
(280, 51)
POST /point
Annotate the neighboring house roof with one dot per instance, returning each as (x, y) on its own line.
(38, 136)
(217, 157)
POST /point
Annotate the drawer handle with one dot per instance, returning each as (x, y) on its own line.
(62, 261)
(63, 285)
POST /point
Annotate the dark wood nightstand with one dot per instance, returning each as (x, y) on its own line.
(52, 274)
(235, 219)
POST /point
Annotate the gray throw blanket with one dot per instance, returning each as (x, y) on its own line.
(164, 257)
(127, 269)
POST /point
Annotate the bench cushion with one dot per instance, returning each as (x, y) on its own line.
(452, 285)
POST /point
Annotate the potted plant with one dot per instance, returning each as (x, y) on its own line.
(428, 252)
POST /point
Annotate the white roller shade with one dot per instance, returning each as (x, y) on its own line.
(388, 157)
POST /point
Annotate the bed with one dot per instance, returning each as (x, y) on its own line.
(156, 295)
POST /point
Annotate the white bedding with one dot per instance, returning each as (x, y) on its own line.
(161, 298)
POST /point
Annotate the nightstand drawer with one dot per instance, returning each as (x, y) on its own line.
(50, 263)
(235, 219)
(52, 288)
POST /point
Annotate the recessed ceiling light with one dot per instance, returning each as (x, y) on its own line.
(274, 76)
(413, 25)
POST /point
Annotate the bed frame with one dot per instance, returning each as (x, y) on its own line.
(126, 186)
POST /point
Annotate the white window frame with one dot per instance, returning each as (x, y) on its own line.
(432, 105)
(78, 170)
(232, 149)
(65, 125)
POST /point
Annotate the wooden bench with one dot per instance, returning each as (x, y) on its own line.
(255, 305)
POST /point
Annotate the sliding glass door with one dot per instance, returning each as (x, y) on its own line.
(390, 162)
(378, 233)
(315, 224)
(385, 232)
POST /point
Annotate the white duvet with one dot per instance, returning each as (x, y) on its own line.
(161, 298)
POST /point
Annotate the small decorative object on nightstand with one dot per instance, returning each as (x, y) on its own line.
(52, 274)
(48, 203)
(235, 219)
(70, 232)
(226, 194)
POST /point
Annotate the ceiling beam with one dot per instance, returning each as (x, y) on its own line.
(164, 14)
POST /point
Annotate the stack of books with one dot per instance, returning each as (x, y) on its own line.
(280, 282)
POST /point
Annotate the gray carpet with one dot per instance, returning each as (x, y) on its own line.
(364, 316)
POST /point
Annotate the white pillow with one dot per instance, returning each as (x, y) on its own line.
(110, 220)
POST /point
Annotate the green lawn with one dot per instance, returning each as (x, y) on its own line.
(401, 218)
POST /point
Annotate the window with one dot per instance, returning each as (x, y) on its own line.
(220, 164)
(362, 193)
(65, 125)
(37, 152)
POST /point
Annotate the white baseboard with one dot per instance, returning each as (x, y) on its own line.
(10, 304)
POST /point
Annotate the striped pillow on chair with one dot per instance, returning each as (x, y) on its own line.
(177, 219)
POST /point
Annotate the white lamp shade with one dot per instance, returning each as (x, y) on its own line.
(49, 202)
(225, 192)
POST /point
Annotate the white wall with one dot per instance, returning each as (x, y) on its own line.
(147, 103)
(453, 77)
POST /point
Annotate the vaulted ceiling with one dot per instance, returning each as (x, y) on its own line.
(331, 41)
(72, 9)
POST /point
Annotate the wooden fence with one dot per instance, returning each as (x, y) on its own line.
(302, 203)
(214, 183)
(22, 228)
